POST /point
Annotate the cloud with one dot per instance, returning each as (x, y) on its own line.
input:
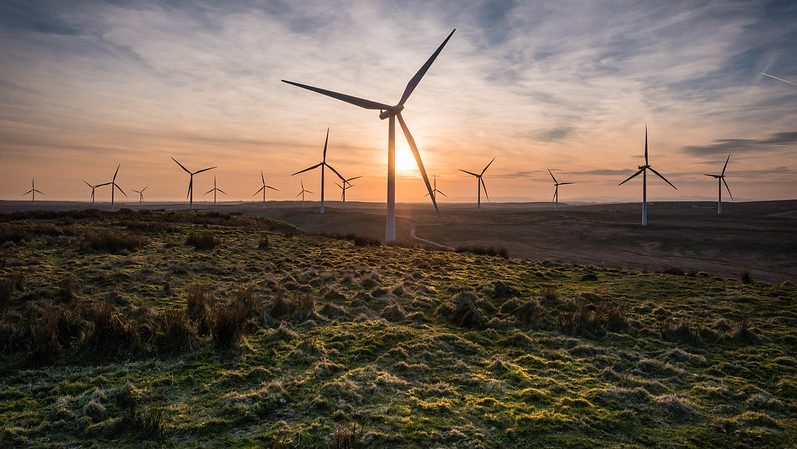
(776, 142)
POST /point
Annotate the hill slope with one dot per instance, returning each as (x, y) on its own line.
(170, 329)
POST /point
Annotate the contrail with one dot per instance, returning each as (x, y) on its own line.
(779, 79)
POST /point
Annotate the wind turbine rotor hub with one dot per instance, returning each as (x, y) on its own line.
(387, 113)
(641, 167)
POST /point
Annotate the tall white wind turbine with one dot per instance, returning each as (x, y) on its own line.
(114, 186)
(215, 190)
(644, 170)
(93, 188)
(141, 194)
(33, 190)
(323, 164)
(302, 192)
(721, 180)
(479, 184)
(391, 112)
(346, 186)
(191, 174)
(434, 189)
(264, 187)
(556, 189)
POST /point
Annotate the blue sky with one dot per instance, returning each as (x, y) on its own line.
(568, 85)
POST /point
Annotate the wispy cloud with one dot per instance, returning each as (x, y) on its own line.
(777, 142)
(537, 84)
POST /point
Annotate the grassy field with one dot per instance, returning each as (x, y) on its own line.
(172, 329)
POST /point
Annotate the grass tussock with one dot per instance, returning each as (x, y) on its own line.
(495, 251)
(593, 320)
(202, 241)
(345, 437)
(114, 242)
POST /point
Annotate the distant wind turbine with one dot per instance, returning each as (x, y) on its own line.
(779, 79)
(33, 190)
(390, 112)
(556, 190)
(114, 186)
(323, 164)
(141, 194)
(215, 190)
(191, 174)
(479, 184)
(346, 186)
(93, 188)
(644, 170)
(721, 180)
(434, 189)
(302, 192)
(264, 187)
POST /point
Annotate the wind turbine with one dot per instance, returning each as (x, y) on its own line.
(556, 191)
(191, 174)
(114, 186)
(435, 191)
(346, 185)
(141, 194)
(721, 180)
(644, 170)
(215, 190)
(33, 190)
(303, 192)
(323, 164)
(479, 184)
(391, 113)
(263, 188)
(93, 188)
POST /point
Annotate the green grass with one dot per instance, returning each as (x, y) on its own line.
(553, 361)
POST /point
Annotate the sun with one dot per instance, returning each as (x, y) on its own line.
(405, 161)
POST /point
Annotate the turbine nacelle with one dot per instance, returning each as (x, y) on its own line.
(644, 167)
(387, 113)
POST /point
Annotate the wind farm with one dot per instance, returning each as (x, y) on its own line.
(404, 313)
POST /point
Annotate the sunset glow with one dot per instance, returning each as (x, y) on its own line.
(538, 85)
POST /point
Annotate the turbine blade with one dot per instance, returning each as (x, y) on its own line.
(646, 145)
(565, 183)
(38, 191)
(84, 181)
(182, 166)
(259, 190)
(417, 154)
(262, 178)
(326, 141)
(29, 191)
(222, 191)
(713, 176)
(727, 188)
(441, 193)
(488, 166)
(120, 189)
(422, 71)
(204, 169)
(726, 165)
(209, 191)
(273, 188)
(307, 191)
(335, 171)
(308, 168)
(484, 186)
(632, 176)
(145, 188)
(340, 186)
(297, 196)
(352, 179)
(469, 172)
(662, 177)
(116, 172)
(554, 179)
(425, 195)
(102, 185)
(361, 102)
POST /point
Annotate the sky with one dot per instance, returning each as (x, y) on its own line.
(566, 85)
